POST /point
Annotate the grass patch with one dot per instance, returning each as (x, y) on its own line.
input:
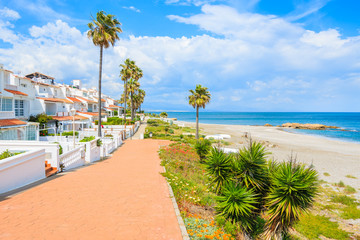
(345, 200)
(326, 174)
(348, 189)
(350, 212)
(340, 184)
(314, 226)
(350, 176)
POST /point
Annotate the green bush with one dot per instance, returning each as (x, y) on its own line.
(98, 142)
(164, 114)
(70, 133)
(6, 154)
(60, 148)
(202, 148)
(87, 139)
(171, 131)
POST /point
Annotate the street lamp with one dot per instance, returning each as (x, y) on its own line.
(73, 112)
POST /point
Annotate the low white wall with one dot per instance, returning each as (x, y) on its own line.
(92, 151)
(20, 170)
(51, 149)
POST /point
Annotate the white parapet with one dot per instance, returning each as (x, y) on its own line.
(23, 169)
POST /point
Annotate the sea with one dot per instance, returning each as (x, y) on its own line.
(349, 121)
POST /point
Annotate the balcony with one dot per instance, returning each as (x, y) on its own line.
(7, 114)
(11, 87)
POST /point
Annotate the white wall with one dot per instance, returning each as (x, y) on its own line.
(51, 149)
(21, 170)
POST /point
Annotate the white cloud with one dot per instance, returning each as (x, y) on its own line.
(259, 62)
(132, 8)
(7, 13)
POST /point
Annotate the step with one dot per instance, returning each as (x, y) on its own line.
(50, 171)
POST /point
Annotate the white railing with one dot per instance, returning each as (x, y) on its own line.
(20, 170)
(7, 114)
(73, 159)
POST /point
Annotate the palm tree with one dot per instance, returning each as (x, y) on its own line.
(198, 99)
(103, 32)
(126, 74)
(134, 86)
(138, 99)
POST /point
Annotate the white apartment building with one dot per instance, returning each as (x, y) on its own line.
(36, 93)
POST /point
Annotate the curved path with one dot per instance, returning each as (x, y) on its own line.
(123, 197)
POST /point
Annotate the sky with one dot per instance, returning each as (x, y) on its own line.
(252, 55)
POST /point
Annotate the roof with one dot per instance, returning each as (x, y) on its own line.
(109, 109)
(16, 92)
(74, 99)
(92, 113)
(8, 71)
(11, 122)
(86, 99)
(114, 106)
(22, 77)
(63, 100)
(69, 118)
(31, 75)
(103, 100)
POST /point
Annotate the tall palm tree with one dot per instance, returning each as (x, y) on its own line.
(198, 99)
(134, 87)
(126, 74)
(103, 32)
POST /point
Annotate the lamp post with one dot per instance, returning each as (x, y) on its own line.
(73, 111)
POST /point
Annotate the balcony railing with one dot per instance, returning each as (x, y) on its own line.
(11, 87)
(7, 114)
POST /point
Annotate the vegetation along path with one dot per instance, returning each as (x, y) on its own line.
(123, 197)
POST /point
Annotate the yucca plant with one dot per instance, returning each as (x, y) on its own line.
(219, 167)
(238, 204)
(292, 192)
(251, 168)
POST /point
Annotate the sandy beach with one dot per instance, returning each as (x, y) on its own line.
(327, 155)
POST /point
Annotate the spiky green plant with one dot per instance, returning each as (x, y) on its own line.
(251, 168)
(238, 204)
(292, 192)
(218, 166)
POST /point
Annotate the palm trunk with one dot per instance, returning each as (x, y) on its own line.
(197, 122)
(132, 107)
(99, 103)
(125, 93)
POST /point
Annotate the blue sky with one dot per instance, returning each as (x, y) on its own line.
(253, 55)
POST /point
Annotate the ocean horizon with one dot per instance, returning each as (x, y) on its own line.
(348, 121)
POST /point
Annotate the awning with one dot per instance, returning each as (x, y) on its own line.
(16, 92)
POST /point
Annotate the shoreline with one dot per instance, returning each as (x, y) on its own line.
(335, 157)
(280, 129)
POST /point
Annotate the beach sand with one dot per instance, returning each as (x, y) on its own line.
(327, 155)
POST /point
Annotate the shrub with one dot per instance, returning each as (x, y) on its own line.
(87, 139)
(98, 142)
(70, 133)
(164, 115)
(202, 148)
(6, 154)
(60, 148)
(171, 131)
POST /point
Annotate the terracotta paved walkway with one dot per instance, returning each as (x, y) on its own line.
(124, 197)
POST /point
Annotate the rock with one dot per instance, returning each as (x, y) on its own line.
(310, 126)
(268, 125)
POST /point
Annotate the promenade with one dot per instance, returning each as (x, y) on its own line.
(123, 197)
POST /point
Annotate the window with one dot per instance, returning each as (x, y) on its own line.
(19, 108)
(6, 104)
(23, 85)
